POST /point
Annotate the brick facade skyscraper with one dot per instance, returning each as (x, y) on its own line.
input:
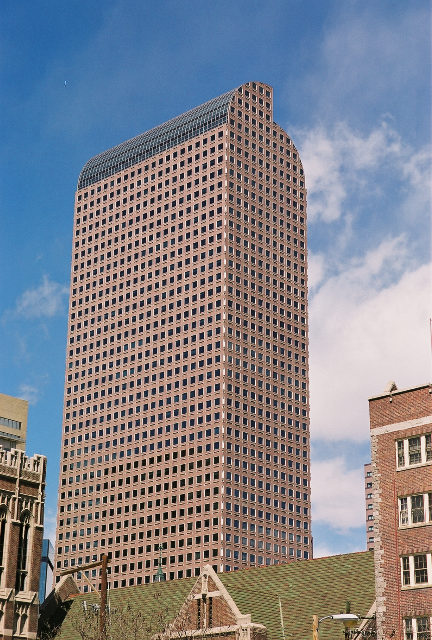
(186, 397)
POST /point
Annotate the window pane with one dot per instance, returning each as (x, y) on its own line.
(405, 571)
(409, 635)
(414, 450)
(417, 509)
(403, 511)
(420, 569)
(430, 507)
(423, 629)
(428, 443)
(401, 455)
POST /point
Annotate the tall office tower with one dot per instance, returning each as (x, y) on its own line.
(186, 398)
(369, 506)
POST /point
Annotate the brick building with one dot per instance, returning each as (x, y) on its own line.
(186, 419)
(401, 428)
(369, 506)
(22, 483)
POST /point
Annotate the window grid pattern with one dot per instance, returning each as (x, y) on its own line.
(415, 510)
(416, 570)
(146, 348)
(414, 451)
(417, 628)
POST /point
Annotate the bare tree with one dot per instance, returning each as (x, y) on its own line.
(126, 621)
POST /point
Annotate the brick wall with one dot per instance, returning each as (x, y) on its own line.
(396, 416)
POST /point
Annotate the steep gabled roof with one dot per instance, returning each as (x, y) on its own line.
(163, 137)
(305, 588)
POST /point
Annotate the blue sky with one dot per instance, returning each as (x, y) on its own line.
(352, 87)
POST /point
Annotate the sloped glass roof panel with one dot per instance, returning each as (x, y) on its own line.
(161, 138)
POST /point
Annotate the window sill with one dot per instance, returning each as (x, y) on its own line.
(415, 466)
(402, 527)
(426, 585)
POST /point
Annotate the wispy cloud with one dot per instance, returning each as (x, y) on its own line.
(341, 164)
(368, 55)
(337, 492)
(323, 550)
(29, 392)
(369, 324)
(44, 301)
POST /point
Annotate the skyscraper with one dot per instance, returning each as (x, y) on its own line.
(186, 397)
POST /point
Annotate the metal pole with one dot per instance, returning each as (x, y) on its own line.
(281, 619)
(315, 628)
(103, 602)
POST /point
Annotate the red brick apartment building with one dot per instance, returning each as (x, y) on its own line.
(186, 419)
(401, 432)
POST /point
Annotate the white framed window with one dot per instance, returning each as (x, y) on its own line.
(415, 510)
(416, 570)
(414, 451)
(417, 628)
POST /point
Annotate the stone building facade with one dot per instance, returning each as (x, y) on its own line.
(401, 428)
(22, 485)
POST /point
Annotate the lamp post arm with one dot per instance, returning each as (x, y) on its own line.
(325, 618)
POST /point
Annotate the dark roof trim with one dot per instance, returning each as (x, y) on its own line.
(184, 127)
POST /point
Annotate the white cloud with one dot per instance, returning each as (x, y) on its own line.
(338, 162)
(316, 269)
(323, 550)
(46, 300)
(368, 325)
(361, 64)
(337, 495)
(29, 392)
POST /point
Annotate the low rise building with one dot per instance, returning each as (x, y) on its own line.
(269, 603)
(401, 442)
(13, 422)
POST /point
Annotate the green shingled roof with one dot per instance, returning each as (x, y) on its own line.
(307, 587)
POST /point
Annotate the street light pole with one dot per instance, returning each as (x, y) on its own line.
(104, 593)
(315, 625)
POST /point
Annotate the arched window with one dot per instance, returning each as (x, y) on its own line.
(3, 518)
(21, 573)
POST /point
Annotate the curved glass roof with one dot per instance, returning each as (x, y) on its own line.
(184, 127)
